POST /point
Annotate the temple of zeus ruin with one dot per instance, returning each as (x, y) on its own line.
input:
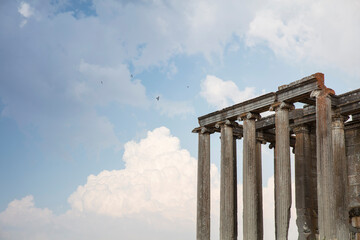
(324, 134)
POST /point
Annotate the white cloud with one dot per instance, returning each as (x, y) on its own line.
(25, 10)
(23, 212)
(22, 220)
(158, 177)
(220, 93)
(321, 32)
(163, 29)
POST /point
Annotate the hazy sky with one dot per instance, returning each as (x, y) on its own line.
(86, 149)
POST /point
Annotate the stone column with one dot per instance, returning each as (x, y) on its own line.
(304, 188)
(235, 184)
(325, 165)
(341, 175)
(259, 187)
(228, 204)
(252, 189)
(282, 170)
(203, 187)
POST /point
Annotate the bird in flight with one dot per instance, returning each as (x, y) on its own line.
(101, 82)
(157, 98)
(131, 76)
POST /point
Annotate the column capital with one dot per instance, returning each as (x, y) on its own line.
(203, 130)
(207, 130)
(227, 122)
(302, 128)
(282, 105)
(338, 121)
(323, 92)
(260, 137)
(249, 115)
(338, 117)
(238, 136)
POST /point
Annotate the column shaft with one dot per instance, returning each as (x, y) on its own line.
(325, 166)
(228, 215)
(304, 184)
(203, 188)
(282, 172)
(252, 190)
(340, 168)
(259, 191)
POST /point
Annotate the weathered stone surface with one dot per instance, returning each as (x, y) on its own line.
(325, 166)
(252, 182)
(304, 184)
(353, 159)
(311, 195)
(228, 213)
(352, 143)
(340, 174)
(282, 171)
(203, 188)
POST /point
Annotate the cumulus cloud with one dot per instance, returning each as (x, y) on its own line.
(19, 212)
(158, 177)
(22, 220)
(220, 93)
(321, 32)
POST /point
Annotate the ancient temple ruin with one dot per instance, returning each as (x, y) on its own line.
(325, 136)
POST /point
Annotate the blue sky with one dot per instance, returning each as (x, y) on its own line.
(86, 150)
